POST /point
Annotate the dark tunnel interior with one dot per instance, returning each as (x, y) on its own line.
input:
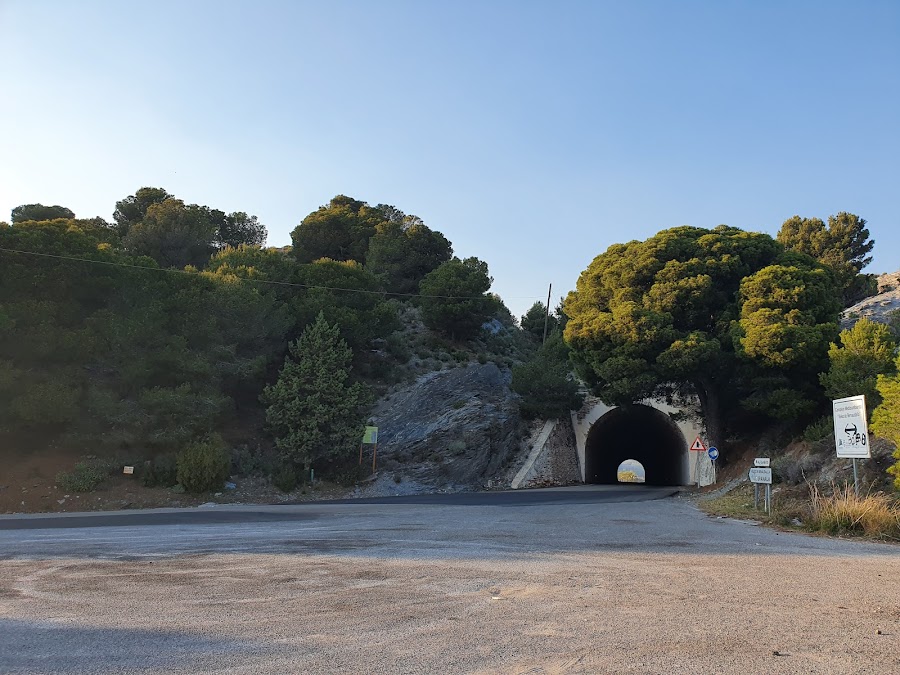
(641, 433)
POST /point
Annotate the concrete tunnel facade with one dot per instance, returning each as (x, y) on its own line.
(606, 436)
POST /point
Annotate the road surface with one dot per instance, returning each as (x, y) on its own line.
(581, 581)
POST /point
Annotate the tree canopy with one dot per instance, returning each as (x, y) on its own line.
(39, 212)
(403, 250)
(866, 351)
(340, 231)
(454, 297)
(722, 314)
(103, 346)
(843, 246)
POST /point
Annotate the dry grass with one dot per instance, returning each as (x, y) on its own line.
(843, 512)
(736, 503)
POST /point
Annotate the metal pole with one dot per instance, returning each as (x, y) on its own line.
(547, 313)
(855, 478)
(697, 469)
(769, 499)
(756, 496)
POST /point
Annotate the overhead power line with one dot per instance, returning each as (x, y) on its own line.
(270, 282)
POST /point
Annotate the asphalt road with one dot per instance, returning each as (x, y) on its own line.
(564, 581)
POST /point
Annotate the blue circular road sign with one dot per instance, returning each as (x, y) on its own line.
(713, 453)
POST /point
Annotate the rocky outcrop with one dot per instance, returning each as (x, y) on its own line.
(878, 306)
(450, 430)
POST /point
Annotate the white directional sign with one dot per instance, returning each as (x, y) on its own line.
(760, 475)
(761, 461)
(851, 432)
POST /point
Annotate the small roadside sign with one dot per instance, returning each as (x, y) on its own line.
(698, 445)
(713, 453)
(370, 437)
(761, 475)
(762, 461)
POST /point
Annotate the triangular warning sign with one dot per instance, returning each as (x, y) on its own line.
(698, 445)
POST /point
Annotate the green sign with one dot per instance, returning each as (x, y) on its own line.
(371, 435)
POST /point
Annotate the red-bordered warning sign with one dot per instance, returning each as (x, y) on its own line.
(698, 445)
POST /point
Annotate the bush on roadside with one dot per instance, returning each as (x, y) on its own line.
(285, 478)
(820, 430)
(161, 471)
(204, 465)
(85, 477)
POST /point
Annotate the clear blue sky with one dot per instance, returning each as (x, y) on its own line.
(532, 134)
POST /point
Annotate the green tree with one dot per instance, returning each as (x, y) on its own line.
(40, 212)
(313, 409)
(788, 317)
(239, 229)
(545, 383)
(843, 245)
(454, 297)
(866, 351)
(403, 250)
(132, 209)
(173, 234)
(347, 294)
(684, 314)
(886, 417)
(533, 321)
(339, 231)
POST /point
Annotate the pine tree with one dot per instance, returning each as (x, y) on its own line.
(313, 410)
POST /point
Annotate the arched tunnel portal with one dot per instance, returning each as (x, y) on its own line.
(636, 432)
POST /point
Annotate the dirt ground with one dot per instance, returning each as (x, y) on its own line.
(28, 485)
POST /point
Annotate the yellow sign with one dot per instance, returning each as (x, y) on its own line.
(371, 435)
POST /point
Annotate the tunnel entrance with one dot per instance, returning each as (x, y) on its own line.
(631, 471)
(640, 433)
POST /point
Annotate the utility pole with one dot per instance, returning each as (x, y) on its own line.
(547, 313)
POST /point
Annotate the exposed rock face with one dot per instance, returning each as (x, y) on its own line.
(878, 306)
(450, 430)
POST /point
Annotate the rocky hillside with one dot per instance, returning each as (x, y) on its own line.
(449, 430)
(878, 306)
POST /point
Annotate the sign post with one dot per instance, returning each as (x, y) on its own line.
(370, 437)
(698, 447)
(851, 431)
(761, 474)
(713, 453)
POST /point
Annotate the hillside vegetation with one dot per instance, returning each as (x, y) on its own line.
(173, 326)
(174, 340)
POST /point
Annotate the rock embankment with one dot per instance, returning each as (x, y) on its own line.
(450, 430)
(878, 306)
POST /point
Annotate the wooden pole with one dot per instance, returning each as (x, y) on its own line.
(360, 454)
(374, 454)
(547, 313)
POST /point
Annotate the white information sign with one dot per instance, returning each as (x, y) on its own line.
(851, 432)
(761, 461)
(760, 475)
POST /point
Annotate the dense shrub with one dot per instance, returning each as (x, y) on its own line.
(161, 471)
(204, 465)
(285, 478)
(820, 430)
